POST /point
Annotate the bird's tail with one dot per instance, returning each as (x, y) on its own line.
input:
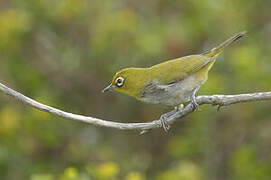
(218, 50)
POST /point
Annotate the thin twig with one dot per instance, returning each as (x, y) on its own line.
(219, 100)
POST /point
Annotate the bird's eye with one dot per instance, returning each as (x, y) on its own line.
(119, 81)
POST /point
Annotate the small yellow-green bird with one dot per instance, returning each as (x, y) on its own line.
(170, 83)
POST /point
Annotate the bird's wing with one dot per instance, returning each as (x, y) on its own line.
(177, 69)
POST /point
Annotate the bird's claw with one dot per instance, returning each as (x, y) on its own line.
(193, 98)
(164, 124)
(195, 104)
(164, 117)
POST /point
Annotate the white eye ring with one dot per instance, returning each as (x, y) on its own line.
(119, 81)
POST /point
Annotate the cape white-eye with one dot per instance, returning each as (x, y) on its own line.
(170, 83)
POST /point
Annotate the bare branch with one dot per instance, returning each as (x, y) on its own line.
(220, 100)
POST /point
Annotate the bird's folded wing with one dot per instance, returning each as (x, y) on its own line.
(178, 69)
(192, 64)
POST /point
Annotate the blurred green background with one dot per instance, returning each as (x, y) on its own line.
(64, 52)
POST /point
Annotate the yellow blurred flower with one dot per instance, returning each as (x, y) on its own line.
(185, 171)
(135, 176)
(70, 173)
(107, 170)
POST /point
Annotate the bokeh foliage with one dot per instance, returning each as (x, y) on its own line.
(64, 52)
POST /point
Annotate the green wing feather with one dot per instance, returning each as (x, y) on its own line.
(177, 69)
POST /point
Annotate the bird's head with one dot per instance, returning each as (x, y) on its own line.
(129, 81)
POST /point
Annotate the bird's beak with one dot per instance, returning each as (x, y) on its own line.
(108, 88)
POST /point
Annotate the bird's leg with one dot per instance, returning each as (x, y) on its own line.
(164, 117)
(193, 98)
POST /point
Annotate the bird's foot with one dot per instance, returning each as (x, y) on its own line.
(164, 117)
(193, 98)
(164, 123)
(194, 103)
